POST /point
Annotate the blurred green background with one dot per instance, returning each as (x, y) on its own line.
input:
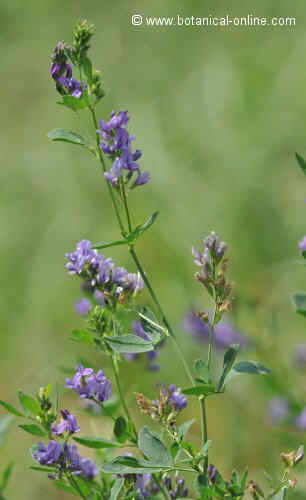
(219, 113)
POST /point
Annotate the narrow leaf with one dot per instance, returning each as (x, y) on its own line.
(153, 448)
(248, 368)
(98, 246)
(129, 344)
(33, 429)
(121, 429)
(116, 488)
(29, 404)
(229, 359)
(11, 409)
(74, 103)
(82, 336)
(96, 443)
(131, 465)
(6, 476)
(200, 390)
(60, 134)
(301, 162)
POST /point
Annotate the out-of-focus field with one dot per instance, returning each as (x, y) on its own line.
(219, 113)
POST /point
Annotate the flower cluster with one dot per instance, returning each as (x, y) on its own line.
(224, 333)
(68, 424)
(151, 355)
(146, 487)
(90, 385)
(101, 275)
(165, 409)
(61, 72)
(65, 458)
(302, 244)
(212, 274)
(116, 144)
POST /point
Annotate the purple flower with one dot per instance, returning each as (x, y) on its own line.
(83, 307)
(300, 356)
(77, 465)
(278, 410)
(67, 424)
(90, 385)
(302, 245)
(116, 143)
(176, 398)
(47, 455)
(101, 277)
(176, 487)
(61, 72)
(224, 333)
(300, 421)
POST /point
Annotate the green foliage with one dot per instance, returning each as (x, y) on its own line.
(129, 343)
(33, 429)
(200, 390)
(96, 443)
(116, 488)
(228, 361)
(301, 162)
(153, 448)
(60, 134)
(29, 404)
(121, 429)
(11, 409)
(132, 465)
(82, 336)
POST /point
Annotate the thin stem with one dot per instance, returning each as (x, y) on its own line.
(121, 395)
(128, 216)
(162, 488)
(204, 430)
(162, 314)
(101, 158)
(75, 485)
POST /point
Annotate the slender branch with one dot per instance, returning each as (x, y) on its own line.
(121, 396)
(101, 158)
(204, 430)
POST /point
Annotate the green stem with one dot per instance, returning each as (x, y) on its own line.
(162, 488)
(204, 430)
(75, 485)
(128, 216)
(111, 192)
(121, 396)
(161, 312)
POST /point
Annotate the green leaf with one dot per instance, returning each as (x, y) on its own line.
(29, 404)
(301, 162)
(201, 370)
(74, 103)
(116, 488)
(121, 429)
(129, 343)
(99, 246)
(200, 390)
(87, 68)
(96, 443)
(82, 336)
(11, 409)
(184, 428)
(299, 300)
(153, 448)
(61, 485)
(131, 465)
(6, 476)
(249, 368)
(60, 134)
(33, 429)
(139, 230)
(228, 361)
(40, 468)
